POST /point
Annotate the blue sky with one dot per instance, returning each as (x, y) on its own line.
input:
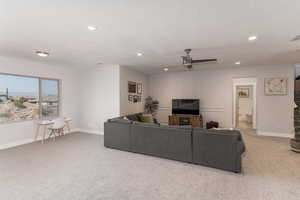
(26, 85)
(49, 87)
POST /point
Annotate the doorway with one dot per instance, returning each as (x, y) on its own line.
(244, 107)
(244, 103)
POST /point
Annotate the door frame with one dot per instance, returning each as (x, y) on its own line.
(244, 82)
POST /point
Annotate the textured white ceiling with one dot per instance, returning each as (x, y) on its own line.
(160, 29)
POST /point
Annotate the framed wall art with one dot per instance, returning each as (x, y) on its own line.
(139, 88)
(243, 92)
(276, 86)
(132, 86)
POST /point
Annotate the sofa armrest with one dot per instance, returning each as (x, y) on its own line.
(241, 147)
(218, 149)
(117, 135)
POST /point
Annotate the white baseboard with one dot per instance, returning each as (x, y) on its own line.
(91, 131)
(27, 141)
(274, 134)
(17, 143)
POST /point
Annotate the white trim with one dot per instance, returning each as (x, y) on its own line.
(274, 134)
(91, 131)
(212, 109)
(14, 144)
(27, 141)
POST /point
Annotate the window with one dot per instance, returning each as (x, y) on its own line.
(27, 98)
(49, 98)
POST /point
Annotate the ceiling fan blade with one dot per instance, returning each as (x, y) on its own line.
(205, 60)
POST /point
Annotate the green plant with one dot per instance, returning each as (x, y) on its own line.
(151, 106)
(23, 100)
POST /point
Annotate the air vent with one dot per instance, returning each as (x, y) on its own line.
(296, 38)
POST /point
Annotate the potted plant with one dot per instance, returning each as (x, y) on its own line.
(151, 106)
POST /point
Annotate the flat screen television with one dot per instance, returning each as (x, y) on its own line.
(185, 106)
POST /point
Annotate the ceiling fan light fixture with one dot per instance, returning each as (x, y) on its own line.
(166, 69)
(238, 62)
(42, 54)
(92, 28)
(252, 37)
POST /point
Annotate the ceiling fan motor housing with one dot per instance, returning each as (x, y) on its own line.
(186, 60)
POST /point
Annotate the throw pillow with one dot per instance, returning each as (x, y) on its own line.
(139, 117)
(147, 118)
(125, 118)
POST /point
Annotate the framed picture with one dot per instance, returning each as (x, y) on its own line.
(139, 99)
(139, 88)
(243, 92)
(132, 87)
(135, 98)
(276, 86)
(130, 98)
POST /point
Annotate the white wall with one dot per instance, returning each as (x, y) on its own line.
(22, 132)
(215, 91)
(126, 75)
(99, 94)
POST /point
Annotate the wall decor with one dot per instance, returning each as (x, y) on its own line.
(132, 87)
(130, 98)
(139, 99)
(135, 98)
(139, 88)
(276, 86)
(243, 92)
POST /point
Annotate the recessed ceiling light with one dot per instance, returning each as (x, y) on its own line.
(42, 53)
(139, 54)
(238, 63)
(166, 69)
(92, 28)
(252, 38)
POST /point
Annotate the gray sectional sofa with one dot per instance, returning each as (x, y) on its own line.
(213, 148)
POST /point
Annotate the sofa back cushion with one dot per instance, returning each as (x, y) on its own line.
(146, 124)
(166, 142)
(236, 135)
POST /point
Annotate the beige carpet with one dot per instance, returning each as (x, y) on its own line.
(77, 166)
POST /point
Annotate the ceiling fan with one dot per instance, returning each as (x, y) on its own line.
(188, 62)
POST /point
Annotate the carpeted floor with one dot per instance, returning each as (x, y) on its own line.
(77, 166)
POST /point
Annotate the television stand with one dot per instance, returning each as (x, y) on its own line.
(183, 120)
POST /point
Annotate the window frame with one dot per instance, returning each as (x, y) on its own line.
(40, 78)
(41, 97)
